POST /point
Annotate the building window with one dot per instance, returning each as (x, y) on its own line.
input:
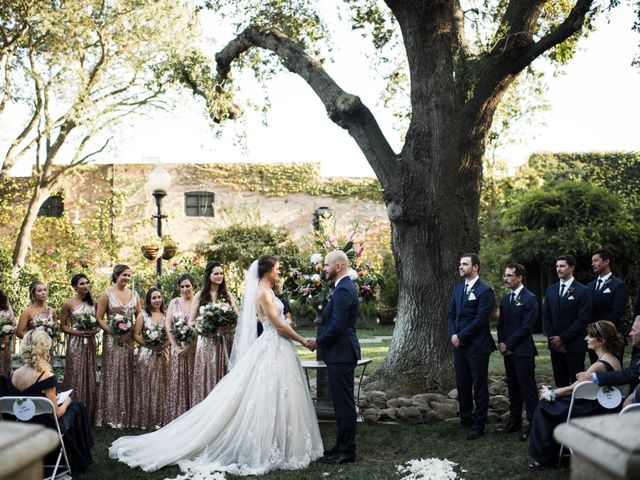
(321, 215)
(52, 207)
(198, 204)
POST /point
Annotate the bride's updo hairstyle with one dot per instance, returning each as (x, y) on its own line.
(266, 264)
(35, 350)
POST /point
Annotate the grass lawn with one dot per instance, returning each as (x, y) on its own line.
(380, 449)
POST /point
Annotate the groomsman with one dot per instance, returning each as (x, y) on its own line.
(609, 296)
(472, 303)
(565, 313)
(518, 315)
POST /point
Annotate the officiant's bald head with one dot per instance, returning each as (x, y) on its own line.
(336, 264)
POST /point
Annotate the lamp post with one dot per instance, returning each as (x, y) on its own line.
(159, 182)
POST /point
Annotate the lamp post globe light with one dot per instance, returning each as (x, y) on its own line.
(159, 183)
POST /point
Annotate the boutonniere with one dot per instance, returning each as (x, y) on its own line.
(571, 290)
(518, 300)
(606, 282)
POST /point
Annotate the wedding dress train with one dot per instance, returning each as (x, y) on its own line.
(259, 417)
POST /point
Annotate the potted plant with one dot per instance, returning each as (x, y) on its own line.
(150, 247)
(170, 247)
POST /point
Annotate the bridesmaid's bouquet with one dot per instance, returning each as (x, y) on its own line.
(154, 336)
(214, 316)
(85, 322)
(46, 324)
(182, 331)
(121, 324)
(7, 328)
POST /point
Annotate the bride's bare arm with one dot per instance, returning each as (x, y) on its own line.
(265, 302)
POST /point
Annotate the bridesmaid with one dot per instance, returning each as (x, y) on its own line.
(38, 314)
(181, 359)
(115, 394)
(80, 364)
(6, 341)
(152, 369)
(212, 361)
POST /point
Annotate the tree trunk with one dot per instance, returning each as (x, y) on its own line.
(38, 197)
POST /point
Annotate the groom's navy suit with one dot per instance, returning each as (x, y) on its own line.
(567, 317)
(340, 350)
(469, 319)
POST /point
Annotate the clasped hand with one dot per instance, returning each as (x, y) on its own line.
(310, 343)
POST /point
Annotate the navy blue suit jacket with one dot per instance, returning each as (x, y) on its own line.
(338, 342)
(469, 317)
(567, 317)
(516, 321)
(609, 302)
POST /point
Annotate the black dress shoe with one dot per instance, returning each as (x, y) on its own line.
(475, 434)
(339, 458)
(509, 428)
(331, 452)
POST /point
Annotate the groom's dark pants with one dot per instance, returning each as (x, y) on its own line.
(344, 405)
(472, 380)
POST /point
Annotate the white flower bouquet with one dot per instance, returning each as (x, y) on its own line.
(182, 331)
(155, 336)
(214, 316)
(121, 324)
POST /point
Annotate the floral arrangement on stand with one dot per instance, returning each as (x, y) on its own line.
(310, 285)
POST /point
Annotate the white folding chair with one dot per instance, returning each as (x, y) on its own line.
(587, 391)
(630, 408)
(43, 406)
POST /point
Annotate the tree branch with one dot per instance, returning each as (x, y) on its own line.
(77, 161)
(344, 109)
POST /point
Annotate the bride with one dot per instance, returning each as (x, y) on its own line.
(259, 417)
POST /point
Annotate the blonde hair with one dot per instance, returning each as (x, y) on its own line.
(35, 350)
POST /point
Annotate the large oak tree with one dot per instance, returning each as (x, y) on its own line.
(461, 58)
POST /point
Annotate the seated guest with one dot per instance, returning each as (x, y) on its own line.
(36, 379)
(604, 340)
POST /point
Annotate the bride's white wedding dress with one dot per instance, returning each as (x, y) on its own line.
(259, 417)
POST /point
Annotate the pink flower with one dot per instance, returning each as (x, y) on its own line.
(175, 263)
(50, 251)
(94, 243)
(122, 326)
(54, 264)
(359, 251)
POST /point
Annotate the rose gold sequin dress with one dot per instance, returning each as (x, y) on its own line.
(152, 369)
(36, 321)
(180, 372)
(80, 363)
(115, 394)
(211, 363)
(6, 344)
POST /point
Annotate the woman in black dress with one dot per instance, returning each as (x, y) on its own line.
(553, 408)
(36, 379)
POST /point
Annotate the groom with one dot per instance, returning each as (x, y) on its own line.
(341, 351)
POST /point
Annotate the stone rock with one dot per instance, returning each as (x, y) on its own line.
(499, 403)
(445, 410)
(436, 416)
(371, 418)
(498, 388)
(378, 399)
(453, 394)
(405, 401)
(493, 417)
(394, 403)
(428, 398)
(417, 402)
(371, 411)
(452, 421)
(388, 413)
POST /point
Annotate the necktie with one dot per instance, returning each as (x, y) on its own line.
(466, 289)
(599, 285)
(562, 287)
(513, 297)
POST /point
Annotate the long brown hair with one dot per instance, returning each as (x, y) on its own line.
(205, 294)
